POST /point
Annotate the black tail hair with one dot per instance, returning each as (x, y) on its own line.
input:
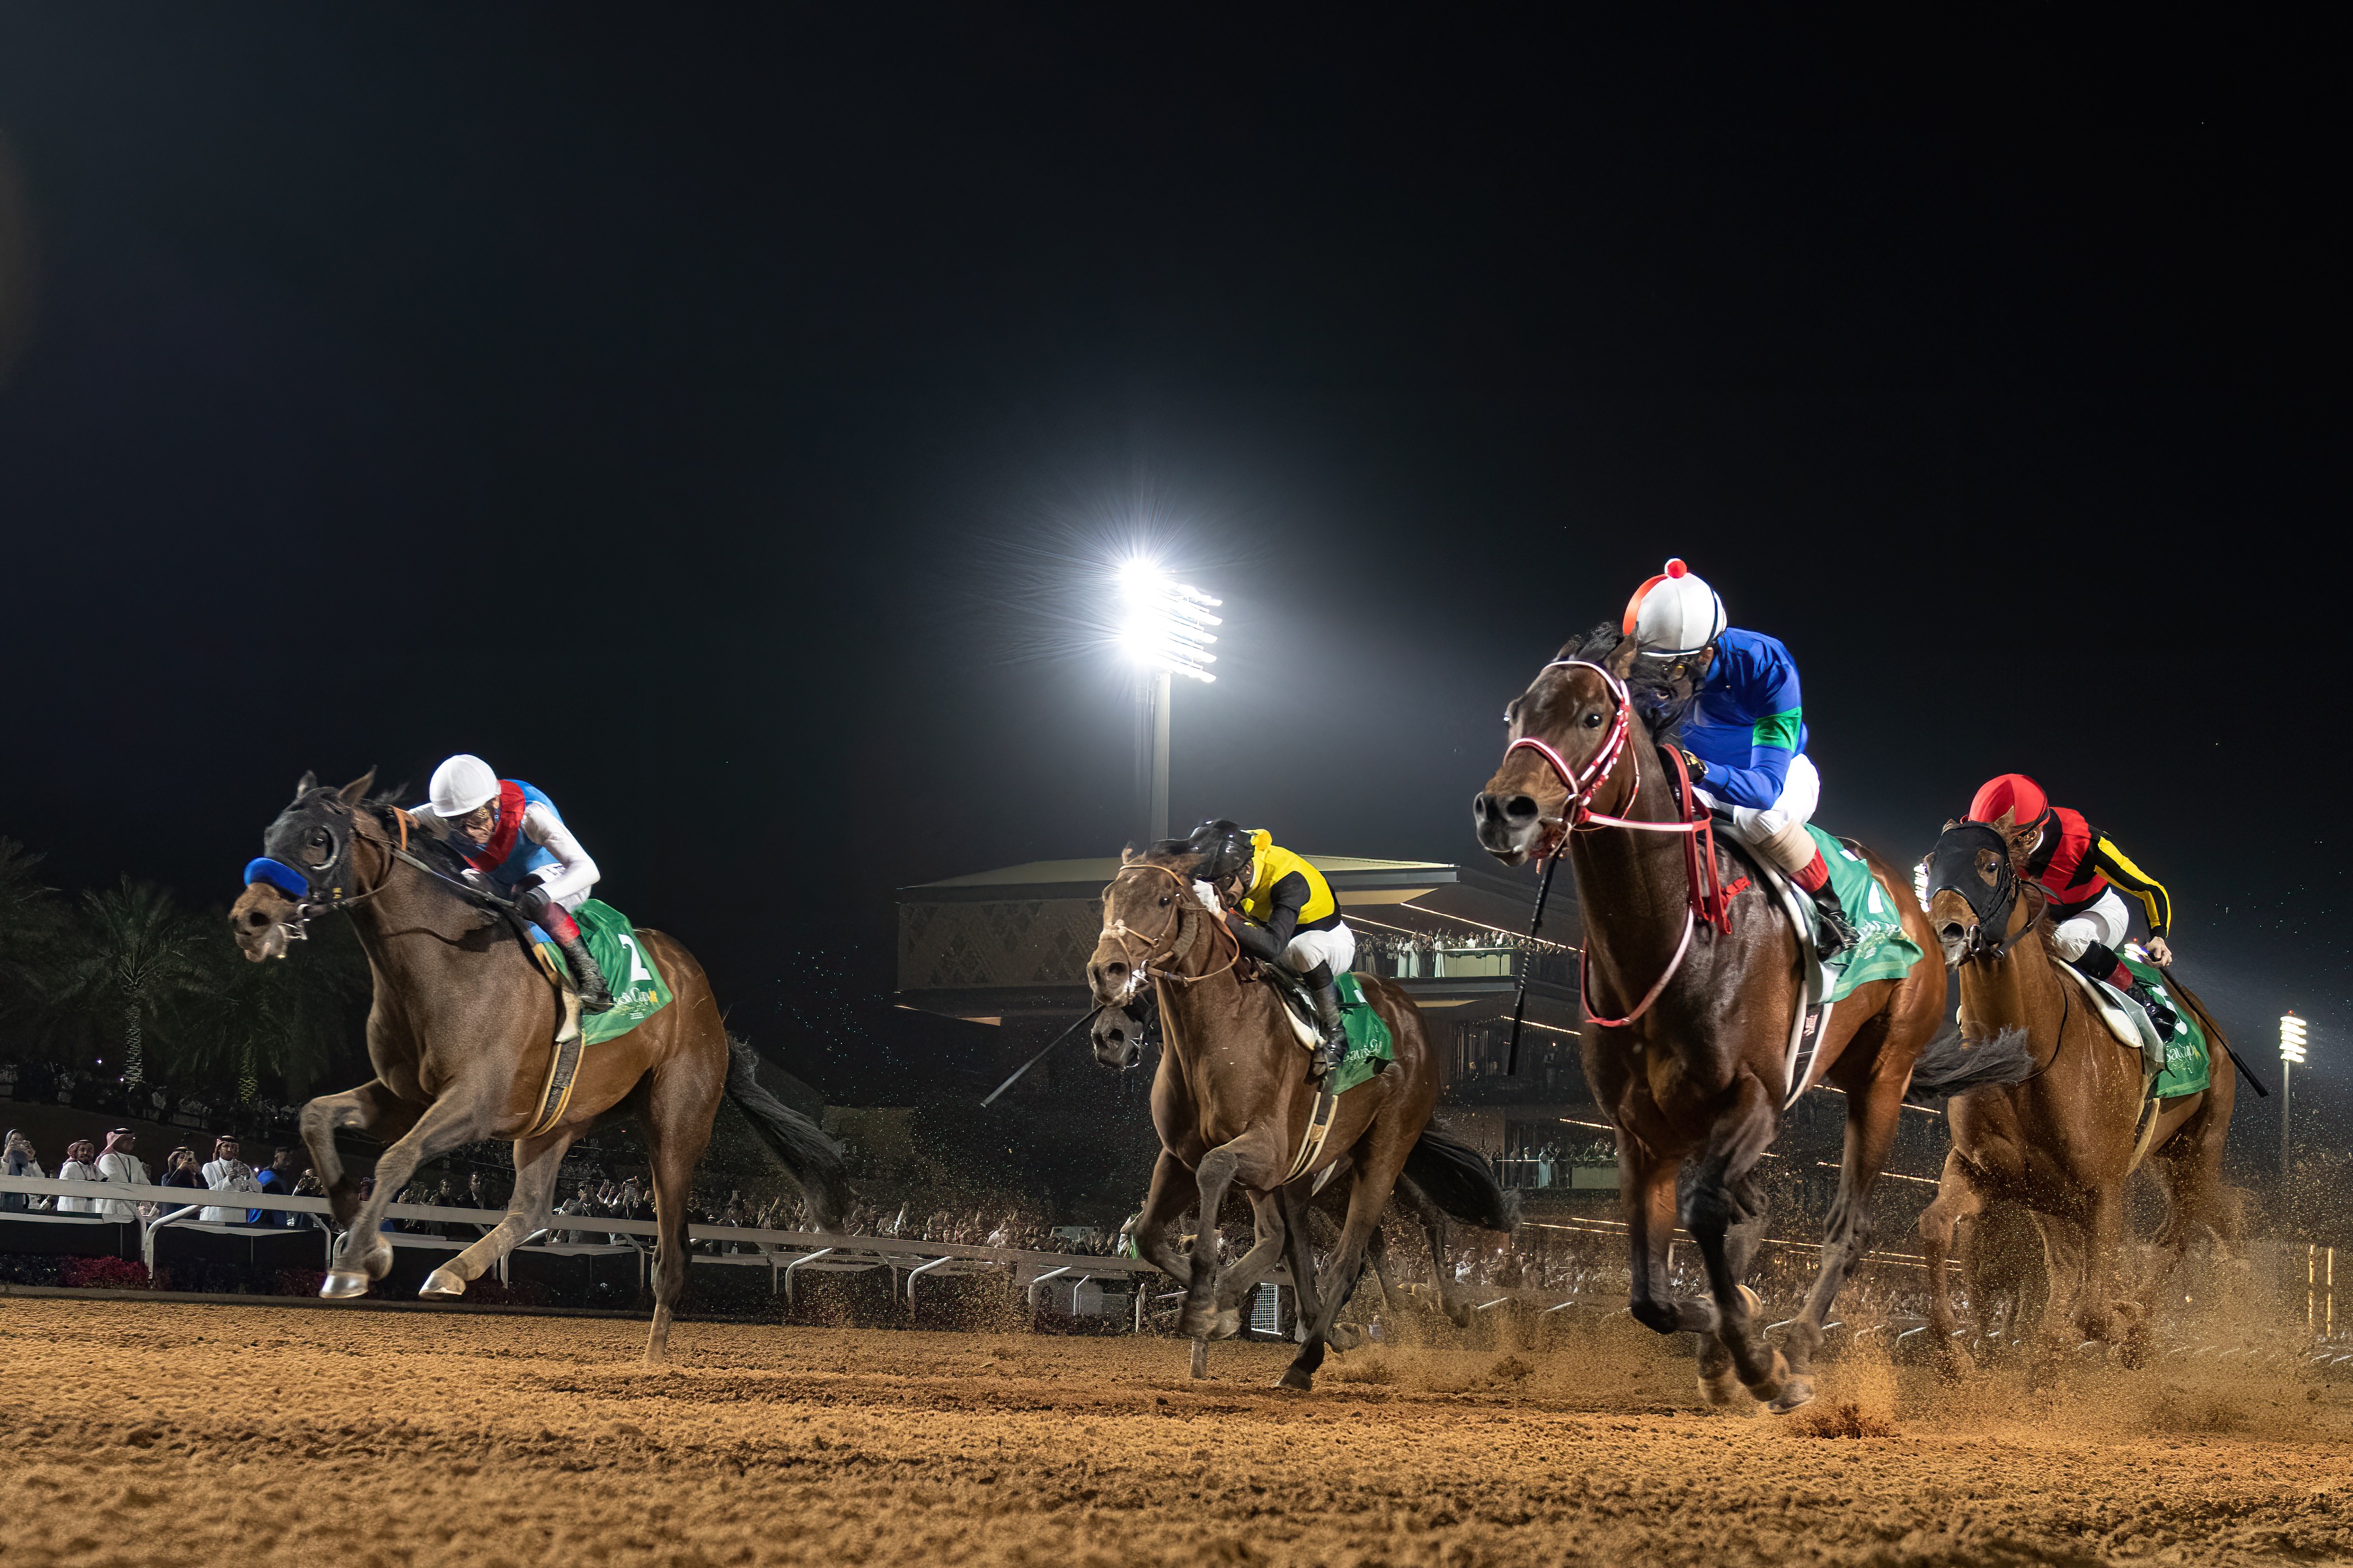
(814, 1159)
(1455, 1177)
(1950, 1065)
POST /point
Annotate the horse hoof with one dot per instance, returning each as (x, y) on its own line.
(1228, 1323)
(377, 1263)
(1345, 1337)
(1296, 1380)
(1770, 1387)
(441, 1286)
(1720, 1389)
(342, 1285)
(1797, 1391)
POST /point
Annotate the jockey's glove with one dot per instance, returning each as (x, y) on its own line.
(1697, 765)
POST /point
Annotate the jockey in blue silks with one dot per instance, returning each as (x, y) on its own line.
(513, 835)
(1744, 733)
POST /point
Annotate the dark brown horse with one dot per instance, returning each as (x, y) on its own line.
(1694, 1082)
(1232, 1103)
(461, 1035)
(2063, 1142)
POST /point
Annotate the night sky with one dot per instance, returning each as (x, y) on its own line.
(727, 422)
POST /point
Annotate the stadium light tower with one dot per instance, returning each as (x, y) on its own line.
(2291, 1058)
(1165, 632)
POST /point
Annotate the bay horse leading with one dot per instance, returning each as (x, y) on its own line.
(461, 1033)
(2063, 1142)
(1233, 1105)
(1692, 1074)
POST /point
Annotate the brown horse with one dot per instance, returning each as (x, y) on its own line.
(1232, 1103)
(1693, 1076)
(461, 1035)
(2063, 1142)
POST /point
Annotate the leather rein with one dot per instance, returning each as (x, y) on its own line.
(1705, 902)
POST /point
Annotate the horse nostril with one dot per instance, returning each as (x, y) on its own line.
(1953, 932)
(1521, 808)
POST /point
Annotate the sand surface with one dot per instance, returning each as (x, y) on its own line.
(163, 1432)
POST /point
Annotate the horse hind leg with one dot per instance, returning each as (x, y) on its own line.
(682, 1097)
(538, 1164)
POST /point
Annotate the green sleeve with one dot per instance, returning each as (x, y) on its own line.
(1778, 729)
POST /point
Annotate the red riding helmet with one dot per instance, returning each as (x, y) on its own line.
(2015, 794)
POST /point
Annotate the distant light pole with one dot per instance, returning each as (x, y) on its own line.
(1166, 631)
(2291, 1058)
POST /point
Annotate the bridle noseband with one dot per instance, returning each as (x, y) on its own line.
(1184, 928)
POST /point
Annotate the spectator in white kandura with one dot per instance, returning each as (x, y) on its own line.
(226, 1173)
(81, 1166)
(120, 1164)
(20, 1161)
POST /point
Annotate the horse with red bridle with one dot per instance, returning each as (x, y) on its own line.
(1691, 994)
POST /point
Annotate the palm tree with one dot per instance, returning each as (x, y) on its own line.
(32, 925)
(137, 957)
(284, 1018)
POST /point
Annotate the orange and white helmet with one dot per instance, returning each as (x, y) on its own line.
(1673, 613)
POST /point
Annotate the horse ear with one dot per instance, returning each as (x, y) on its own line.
(1622, 656)
(356, 791)
(305, 784)
(1127, 855)
(1951, 823)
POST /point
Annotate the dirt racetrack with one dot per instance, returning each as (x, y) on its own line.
(166, 1433)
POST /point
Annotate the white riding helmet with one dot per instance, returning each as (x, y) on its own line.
(1673, 613)
(462, 783)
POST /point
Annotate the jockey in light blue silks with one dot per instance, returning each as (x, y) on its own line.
(514, 836)
(1744, 733)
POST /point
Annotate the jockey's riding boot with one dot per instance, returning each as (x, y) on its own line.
(594, 995)
(1838, 932)
(1335, 1033)
(2163, 1016)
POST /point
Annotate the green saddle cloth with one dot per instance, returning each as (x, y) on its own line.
(1369, 1045)
(2187, 1065)
(1881, 950)
(638, 990)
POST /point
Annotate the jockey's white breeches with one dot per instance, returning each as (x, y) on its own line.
(1779, 829)
(1336, 947)
(2104, 921)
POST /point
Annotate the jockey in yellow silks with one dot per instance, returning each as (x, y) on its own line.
(1281, 911)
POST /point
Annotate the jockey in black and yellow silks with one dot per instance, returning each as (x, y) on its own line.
(1281, 911)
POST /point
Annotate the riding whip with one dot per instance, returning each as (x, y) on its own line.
(1084, 1018)
(2236, 1059)
(1527, 961)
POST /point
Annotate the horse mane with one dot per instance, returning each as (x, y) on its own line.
(1660, 705)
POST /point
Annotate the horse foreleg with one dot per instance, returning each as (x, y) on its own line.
(1716, 1197)
(454, 1120)
(2095, 1310)
(1173, 1192)
(537, 1163)
(372, 1109)
(1213, 1175)
(1957, 1199)
(1245, 1273)
(1649, 1184)
(1453, 1300)
(1873, 1107)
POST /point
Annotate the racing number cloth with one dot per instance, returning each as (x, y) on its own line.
(1369, 1049)
(638, 990)
(2188, 1067)
(1881, 950)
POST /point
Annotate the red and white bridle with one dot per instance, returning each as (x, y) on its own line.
(1578, 815)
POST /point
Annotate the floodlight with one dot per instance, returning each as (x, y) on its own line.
(2292, 1040)
(1167, 623)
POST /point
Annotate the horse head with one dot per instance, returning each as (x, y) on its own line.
(1563, 727)
(305, 864)
(1975, 878)
(1148, 908)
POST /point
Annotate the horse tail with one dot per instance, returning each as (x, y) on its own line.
(1949, 1065)
(814, 1159)
(1455, 1177)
